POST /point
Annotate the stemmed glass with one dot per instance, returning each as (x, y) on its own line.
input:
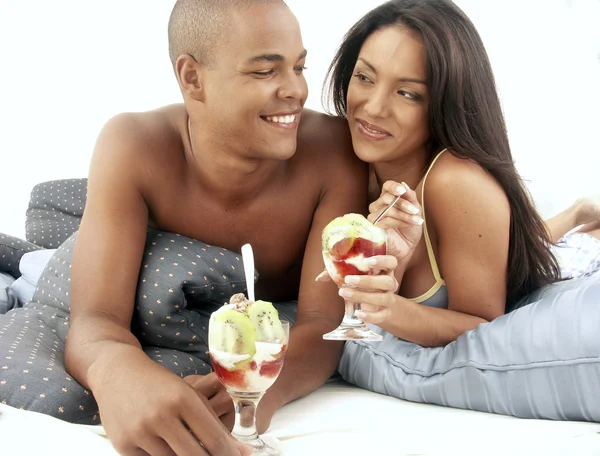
(247, 378)
(347, 242)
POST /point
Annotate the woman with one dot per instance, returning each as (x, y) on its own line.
(467, 245)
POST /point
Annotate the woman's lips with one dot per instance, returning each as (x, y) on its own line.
(372, 132)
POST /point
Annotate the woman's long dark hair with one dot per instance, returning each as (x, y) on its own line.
(464, 115)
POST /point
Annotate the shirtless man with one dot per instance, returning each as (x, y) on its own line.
(239, 162)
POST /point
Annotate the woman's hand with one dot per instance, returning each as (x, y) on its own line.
(375, 293)
(403, 222)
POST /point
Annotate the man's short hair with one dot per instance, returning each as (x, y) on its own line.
(197, 26)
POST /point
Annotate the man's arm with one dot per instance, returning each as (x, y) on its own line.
(310, 360)
(107, 257)
(145, 408)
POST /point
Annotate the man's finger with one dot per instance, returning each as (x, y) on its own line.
(158, 446)
(221, 403)
(207, 385)
(183, 442)
(209, 430)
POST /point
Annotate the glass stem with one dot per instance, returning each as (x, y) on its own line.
(350, 318)
(245, 405)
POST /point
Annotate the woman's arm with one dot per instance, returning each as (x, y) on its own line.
(468, 216)
(423, 325)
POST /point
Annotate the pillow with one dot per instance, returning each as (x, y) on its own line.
(31, 267)
(55, 211)
(8, 300)
(11, 251)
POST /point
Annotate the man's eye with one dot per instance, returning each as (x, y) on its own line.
(299, 69)
(263, 73)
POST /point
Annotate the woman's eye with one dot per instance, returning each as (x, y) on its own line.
(410, 96)
(361, 77)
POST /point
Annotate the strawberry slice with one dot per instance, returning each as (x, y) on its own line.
(342, 248)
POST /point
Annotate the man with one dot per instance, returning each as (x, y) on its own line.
(239, 162)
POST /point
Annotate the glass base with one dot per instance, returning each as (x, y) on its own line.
(358, 332)
(259, 447)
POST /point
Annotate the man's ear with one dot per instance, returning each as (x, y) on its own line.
(190, 77)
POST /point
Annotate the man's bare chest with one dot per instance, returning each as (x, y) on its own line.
(276, 227)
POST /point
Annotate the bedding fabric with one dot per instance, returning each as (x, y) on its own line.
(539, 361)
(339, 419)
(8, 299)
(31, 266)
(181, 282)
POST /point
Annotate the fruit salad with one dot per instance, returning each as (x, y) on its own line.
(346, 242)
(247, 344)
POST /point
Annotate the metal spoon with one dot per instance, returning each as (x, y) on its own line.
(386, 210)
(248, 260)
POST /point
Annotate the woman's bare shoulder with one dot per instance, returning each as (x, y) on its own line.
(461, 188)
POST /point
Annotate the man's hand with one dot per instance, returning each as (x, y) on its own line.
(209, 387)
(147, 410)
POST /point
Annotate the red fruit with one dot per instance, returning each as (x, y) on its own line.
(345, 269)
(229, 378)
(351, 247)
(342, 247)
(272, 369)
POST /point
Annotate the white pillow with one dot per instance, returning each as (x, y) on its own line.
(31, 266)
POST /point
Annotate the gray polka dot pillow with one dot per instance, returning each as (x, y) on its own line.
(55, 211)
(11, 251)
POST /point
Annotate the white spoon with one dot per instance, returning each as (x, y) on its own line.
(248, 260)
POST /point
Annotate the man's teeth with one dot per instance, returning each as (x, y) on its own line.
(282, 119)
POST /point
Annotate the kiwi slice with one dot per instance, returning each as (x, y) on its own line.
(235, 334)
(350, 226)
(266, 320)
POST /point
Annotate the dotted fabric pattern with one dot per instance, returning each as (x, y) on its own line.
(55, 211)
(182, 281)
(11, 251)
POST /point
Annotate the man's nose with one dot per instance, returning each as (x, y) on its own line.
(294, 86)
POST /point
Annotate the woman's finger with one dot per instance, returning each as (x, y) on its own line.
(373, 283)
(323, 277)
(374, 298)
(399, 216)
(378, 317)
(381, 203)
(370, 308)
(381, 263)
(410, 195)
(394, 188)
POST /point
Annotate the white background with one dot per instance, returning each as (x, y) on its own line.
(66, 66)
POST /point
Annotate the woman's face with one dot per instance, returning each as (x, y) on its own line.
(388, 97)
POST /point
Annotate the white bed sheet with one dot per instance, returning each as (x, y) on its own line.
(339, 419)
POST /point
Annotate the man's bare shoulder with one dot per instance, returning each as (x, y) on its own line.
(151, 135)
(326, 138)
